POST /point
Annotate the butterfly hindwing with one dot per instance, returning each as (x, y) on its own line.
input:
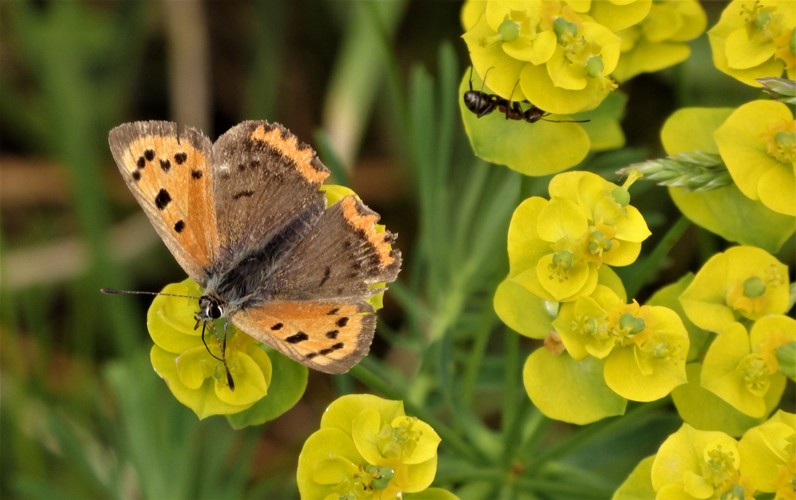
(170, 176)
(326, 335)
(343, 256)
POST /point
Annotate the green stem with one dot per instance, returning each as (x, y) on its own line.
(472, 368)
(511, 417)
(513, 432)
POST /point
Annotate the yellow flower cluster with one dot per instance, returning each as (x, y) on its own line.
(697, 464)
(561, 54)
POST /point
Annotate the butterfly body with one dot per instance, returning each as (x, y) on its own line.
(246, 219)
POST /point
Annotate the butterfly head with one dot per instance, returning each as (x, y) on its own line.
(210, 308)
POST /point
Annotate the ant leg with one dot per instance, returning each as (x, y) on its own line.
(513, 108)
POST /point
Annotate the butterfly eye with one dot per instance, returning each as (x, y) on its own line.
(214, 310)
(209, 309)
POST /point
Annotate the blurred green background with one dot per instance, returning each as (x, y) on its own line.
(372, 86)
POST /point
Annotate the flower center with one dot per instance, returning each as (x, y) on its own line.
(565, 31)
(749, 296)
(380, 477)
(562, 263)
(594, 66)
(781, 142)
(631, 325)
(754, 287)
(599, 243)
(755, 374)
(395, 442)
(720, 467)
(509, 30)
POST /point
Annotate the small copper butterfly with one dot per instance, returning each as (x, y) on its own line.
(246, 219)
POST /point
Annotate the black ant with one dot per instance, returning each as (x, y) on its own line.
(482, 103)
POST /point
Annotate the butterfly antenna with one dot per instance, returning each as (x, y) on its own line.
(116, 291)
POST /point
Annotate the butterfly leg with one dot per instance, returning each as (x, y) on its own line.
(223, 346)
(230, 382)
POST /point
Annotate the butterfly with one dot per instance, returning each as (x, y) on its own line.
(245, 218)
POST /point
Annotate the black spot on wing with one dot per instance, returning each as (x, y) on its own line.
(277, 326)
(165, 164)
(162, 199)
(297, 338)
(136, 175)
(141, 163)
(331, 349)
(332, 334)
(180, 158)
(149, 154)
(342, 321)
(326, 274)
(179, 225)
(243, 194)
(196, 174)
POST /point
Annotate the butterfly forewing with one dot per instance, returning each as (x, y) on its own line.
(264, 181)
(170, 177)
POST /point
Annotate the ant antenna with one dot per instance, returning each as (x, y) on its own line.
(513, 89)
(564, 121)
(483, 82)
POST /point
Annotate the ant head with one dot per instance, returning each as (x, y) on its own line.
(535, 114)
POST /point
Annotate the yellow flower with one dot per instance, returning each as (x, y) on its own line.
(658, 41)
(742, 283)
(738, 371)
(694, 464)
(754, 39)
(557, 247)
(197, 377)
(768, 454)
(367, 447)
(644, 347)
(758, 144)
